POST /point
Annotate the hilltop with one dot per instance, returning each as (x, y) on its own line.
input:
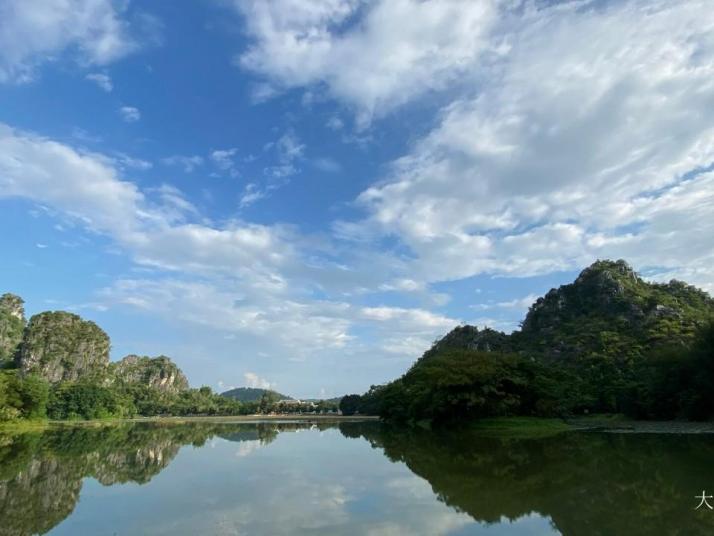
(608, 342)
(253, 394)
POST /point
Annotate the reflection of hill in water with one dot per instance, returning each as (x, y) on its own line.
(266, 432)
(41, 472)
(588, 484)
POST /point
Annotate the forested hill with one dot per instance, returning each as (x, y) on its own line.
(608, 342)
(607, 311)
(253, 394)
(57, 365)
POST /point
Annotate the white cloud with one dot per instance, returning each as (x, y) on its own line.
(83, 185)
(288, 151)
(253, 380)
(126, 161)
(154, 225)
(406, 332)
(394, 51)
(129, 114)
(567, 129)
(519, 304)
(103, 80)
(262, 93)
(572, 146)
(223, 160)
(188, 163)
(404, 285)
(251, 194)
(32, 33)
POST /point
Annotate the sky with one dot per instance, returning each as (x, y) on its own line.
(305, 195)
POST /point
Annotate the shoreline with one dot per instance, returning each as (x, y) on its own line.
(527, 426)
(22, 426)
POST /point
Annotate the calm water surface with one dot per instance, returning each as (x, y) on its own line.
(352, 478)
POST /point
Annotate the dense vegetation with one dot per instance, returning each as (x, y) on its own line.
(57, 366)
(608, 343)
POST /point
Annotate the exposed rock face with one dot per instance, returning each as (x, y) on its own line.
(12, 324)
(60, 346)
(158, 373)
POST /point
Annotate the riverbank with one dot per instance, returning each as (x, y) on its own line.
(502, 426)
(536, 427)
(39, 425)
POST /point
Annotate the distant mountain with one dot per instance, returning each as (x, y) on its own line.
(253, 394)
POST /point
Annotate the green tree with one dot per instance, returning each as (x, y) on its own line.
(349, 405)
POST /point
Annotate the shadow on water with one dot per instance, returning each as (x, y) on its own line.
(585, 483)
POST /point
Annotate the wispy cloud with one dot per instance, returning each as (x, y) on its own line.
(129, 114)
(188, 163)
(92, 32)
(103, 80)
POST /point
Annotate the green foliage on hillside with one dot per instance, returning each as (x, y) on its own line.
(22, 397)
(609, 342)
(609, 311)
(85, 400)
(254, 394)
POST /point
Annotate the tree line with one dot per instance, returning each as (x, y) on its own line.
(456, 384)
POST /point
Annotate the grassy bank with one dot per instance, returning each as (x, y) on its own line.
(20, 426)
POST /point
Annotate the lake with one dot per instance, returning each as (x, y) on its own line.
(349, 478)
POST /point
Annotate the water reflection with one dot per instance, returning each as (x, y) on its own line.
(41, 473)
(585, 483)
(259, 479)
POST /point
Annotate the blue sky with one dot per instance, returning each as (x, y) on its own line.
(304, 195)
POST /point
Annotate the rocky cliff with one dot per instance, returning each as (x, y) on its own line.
(60, 346)
(158, 373)
(12, 324)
